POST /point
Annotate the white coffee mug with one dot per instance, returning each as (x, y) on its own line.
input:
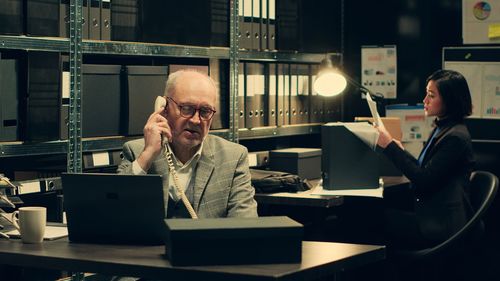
(30, 222)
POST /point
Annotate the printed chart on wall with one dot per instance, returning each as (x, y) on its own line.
(379, 70)
(484, 83)
(481, 21)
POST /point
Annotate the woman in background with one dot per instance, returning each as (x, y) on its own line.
(440, 175)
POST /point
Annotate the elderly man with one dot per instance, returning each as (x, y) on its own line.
(212, 171)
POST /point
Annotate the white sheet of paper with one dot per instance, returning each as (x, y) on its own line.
(373, 109)
(51, 232)
(375, 192)
(364, 131)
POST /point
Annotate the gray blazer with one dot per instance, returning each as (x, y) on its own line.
(222, 186)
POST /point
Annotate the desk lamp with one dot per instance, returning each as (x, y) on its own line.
(359, 168)
(331, 82)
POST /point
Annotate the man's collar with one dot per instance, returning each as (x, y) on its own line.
(195, 157)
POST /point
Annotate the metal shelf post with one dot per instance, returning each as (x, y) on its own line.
(74, 162)
(233, 70)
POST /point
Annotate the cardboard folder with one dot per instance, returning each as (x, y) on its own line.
(219, 72)
(271, 26)
(254, 99)
(105, 13)
(317, 113)
(241, 95)
(246, 25)
(294, 99)
(303, 94)
(272, 95)
(256, 24)
(64, 98)
(95, 19)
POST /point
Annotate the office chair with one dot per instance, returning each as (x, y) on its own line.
(482, 190)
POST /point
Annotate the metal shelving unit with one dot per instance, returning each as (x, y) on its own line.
(76, 47)
(56, 44)
(13, 149)
(48, 44)
(291, 57)
(282, 131)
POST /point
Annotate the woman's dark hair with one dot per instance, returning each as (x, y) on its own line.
(454, 92)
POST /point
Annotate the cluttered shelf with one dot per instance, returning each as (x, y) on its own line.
(18, 148)
(59, 44)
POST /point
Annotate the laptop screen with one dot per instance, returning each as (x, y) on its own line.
(111, 208)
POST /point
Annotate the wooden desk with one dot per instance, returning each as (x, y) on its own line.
(306, 199)
(320, 213)
(319, 259)
(303, 199)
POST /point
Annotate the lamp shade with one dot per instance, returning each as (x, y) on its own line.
(329, 81)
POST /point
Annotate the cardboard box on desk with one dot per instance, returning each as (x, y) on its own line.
(222, 241)
(304, 162)
(392, 124)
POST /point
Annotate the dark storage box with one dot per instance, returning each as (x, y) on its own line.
(221, 241)
(192, 22)
(304, 162)
(144, 84)
(125, 20)
(42, 17)
(43, 100)
(347, 162)
(11, 17)
(8, 100)
(101, 100)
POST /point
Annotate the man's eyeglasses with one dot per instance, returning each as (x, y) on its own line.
(188, 111)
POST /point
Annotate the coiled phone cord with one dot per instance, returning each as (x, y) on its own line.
(184, 199)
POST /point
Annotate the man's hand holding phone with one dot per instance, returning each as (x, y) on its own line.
(156, 132)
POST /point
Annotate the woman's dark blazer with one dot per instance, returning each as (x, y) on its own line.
(439, 185)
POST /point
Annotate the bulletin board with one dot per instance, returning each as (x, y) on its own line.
(379, 70)
(481, 68)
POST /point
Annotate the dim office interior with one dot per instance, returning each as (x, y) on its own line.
(79, 78)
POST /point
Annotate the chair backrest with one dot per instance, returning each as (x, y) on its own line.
(482, 190)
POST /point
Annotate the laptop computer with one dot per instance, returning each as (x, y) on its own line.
(112, 208)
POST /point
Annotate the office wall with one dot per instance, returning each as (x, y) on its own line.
(419, 29)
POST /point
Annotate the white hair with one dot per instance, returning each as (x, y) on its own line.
(172, 80)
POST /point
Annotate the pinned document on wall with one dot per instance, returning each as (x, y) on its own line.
(481, 22)
(415, 126)
(379, 70)
(483, 78)
(491, 91)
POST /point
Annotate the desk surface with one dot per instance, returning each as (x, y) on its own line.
(306, 199)
(319, 259)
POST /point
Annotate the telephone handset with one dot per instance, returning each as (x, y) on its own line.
(162, 102)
